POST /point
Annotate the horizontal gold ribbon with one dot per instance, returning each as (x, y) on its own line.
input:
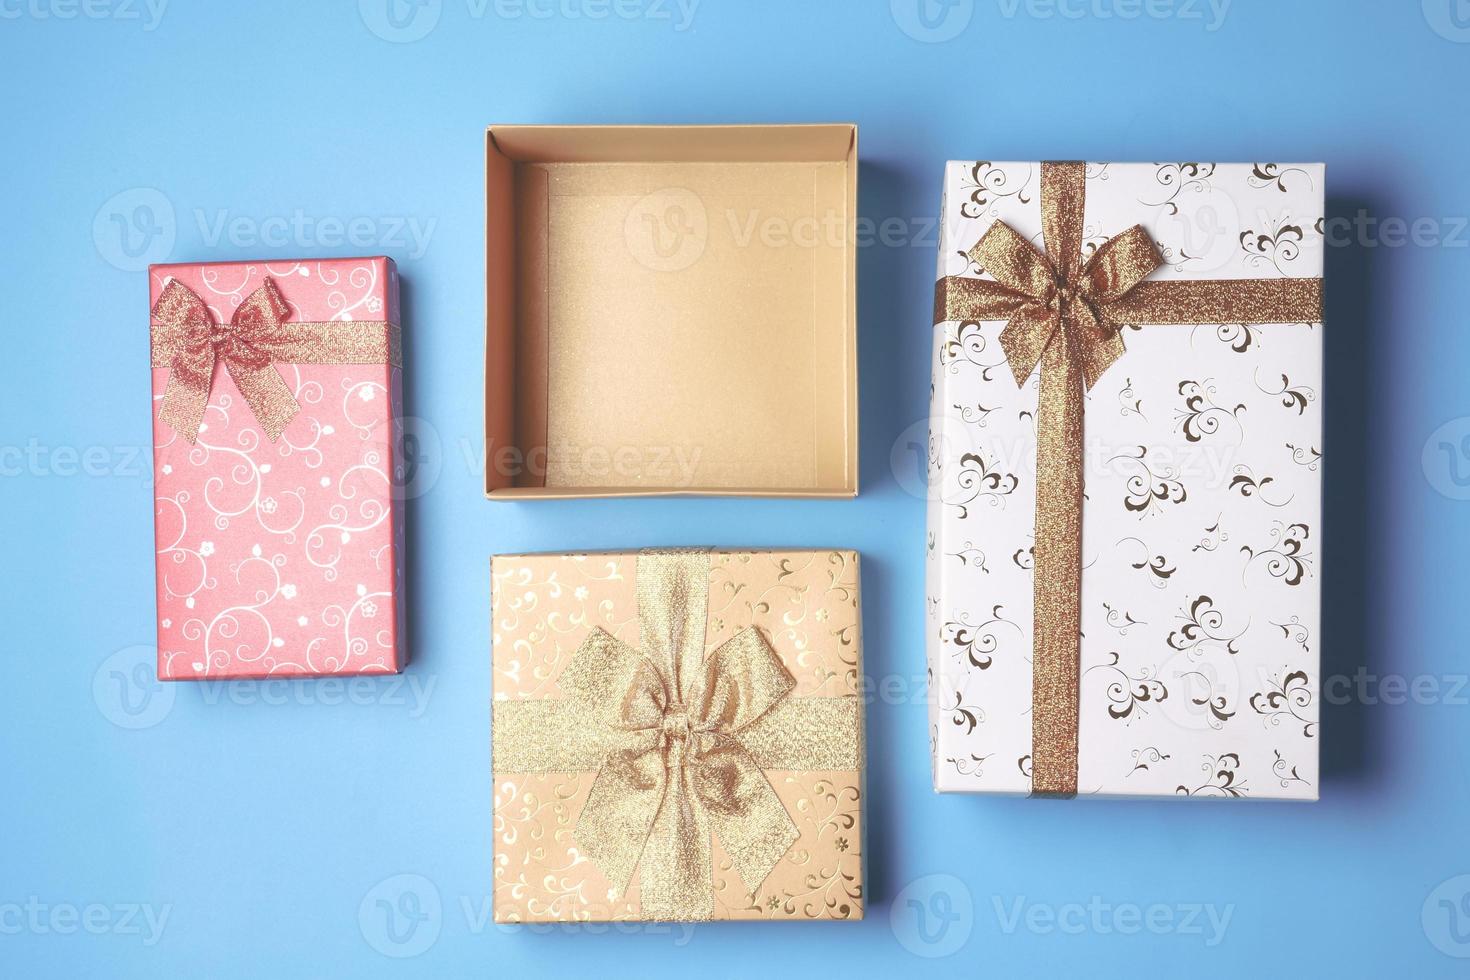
(1176, 302)
(780, 739)
(186, 340)
(1067, 316)
(679, 741)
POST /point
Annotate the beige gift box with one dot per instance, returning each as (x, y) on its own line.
(671, 310)
(640, 775)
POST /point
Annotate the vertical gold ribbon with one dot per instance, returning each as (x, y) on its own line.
(673, 600)
(1067, 316)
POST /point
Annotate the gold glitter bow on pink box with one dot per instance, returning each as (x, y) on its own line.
(1067, 316)
(679, 741)
(188, 341)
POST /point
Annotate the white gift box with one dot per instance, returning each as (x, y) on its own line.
(1201, 520)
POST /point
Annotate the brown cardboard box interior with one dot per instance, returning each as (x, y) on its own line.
(670, 309)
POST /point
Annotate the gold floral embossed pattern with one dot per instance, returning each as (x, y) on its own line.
(542, 609)
(805, 603)
(539, 876)
(821, 876)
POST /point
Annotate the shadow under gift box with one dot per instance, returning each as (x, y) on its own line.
(671, 310)
(277, 557)
(677, 736)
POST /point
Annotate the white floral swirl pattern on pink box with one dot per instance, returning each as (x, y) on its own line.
(283, 558)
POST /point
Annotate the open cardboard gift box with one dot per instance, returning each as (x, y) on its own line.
(671, 310)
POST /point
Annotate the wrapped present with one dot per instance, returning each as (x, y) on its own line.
(1125, 480)
(677, 736)
(276, 435)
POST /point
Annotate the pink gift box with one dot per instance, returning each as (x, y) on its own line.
(282, 556)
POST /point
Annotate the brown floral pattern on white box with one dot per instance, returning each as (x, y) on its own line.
(1201, 520)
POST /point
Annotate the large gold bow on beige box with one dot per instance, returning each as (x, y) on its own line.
(187, 340)
(680, 742)
(1067, 316)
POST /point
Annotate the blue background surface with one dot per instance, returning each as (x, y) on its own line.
(268, 822)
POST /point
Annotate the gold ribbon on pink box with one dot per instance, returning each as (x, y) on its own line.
(188, 341)
(1067, 316)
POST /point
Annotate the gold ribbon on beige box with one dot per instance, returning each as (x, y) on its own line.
(187, 340)
(1067, 316)
(680, 742)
